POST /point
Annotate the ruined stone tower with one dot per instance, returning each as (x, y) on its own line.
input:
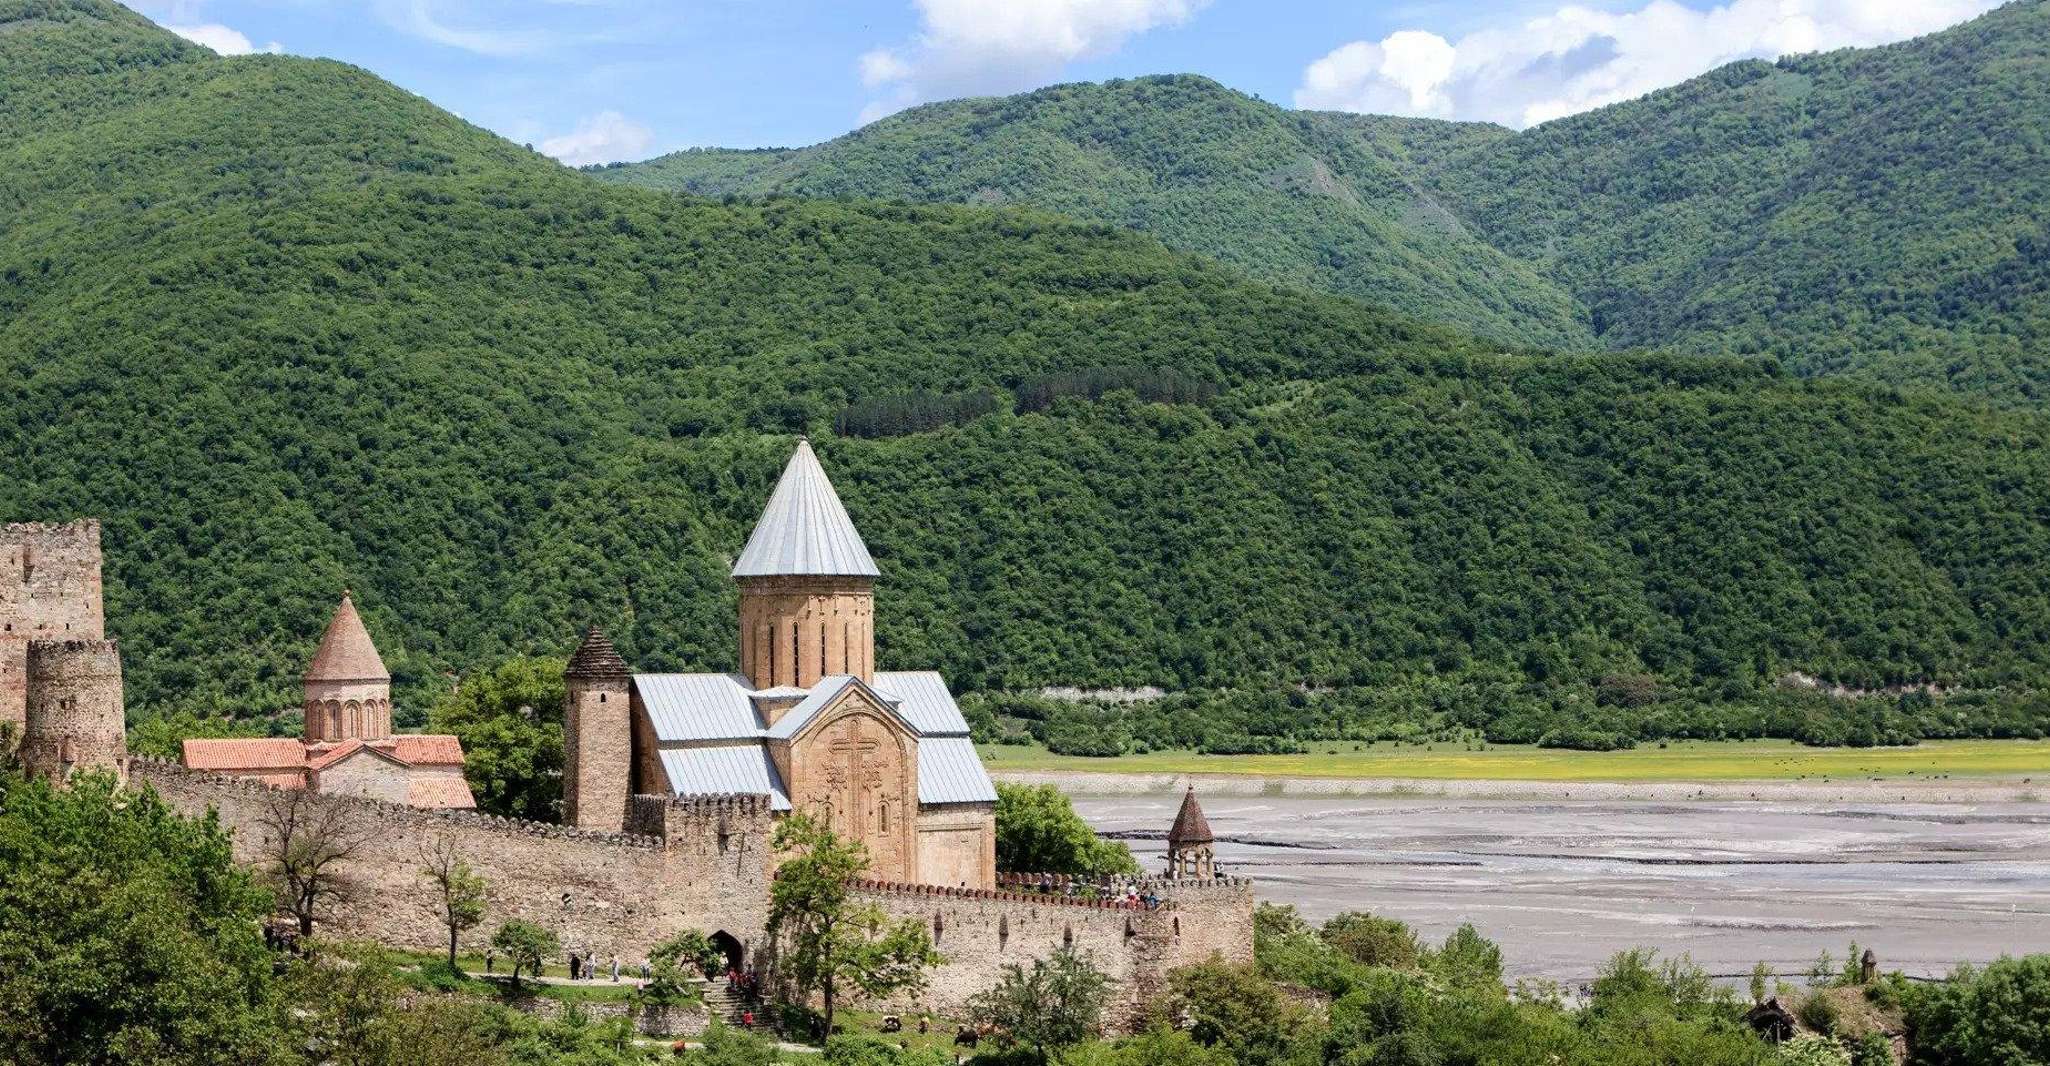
(807, 586)
(49, 590)
(74, 720)
(596, 735)
(347, 689)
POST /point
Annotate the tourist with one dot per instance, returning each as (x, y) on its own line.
(615, 969)
(747, 1019)
(490, 957)
(646, 971)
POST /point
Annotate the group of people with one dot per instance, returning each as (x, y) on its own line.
(1126, 893)
(581, 967)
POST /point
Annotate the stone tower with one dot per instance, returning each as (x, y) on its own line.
(74, 713)
(348, 690)
(49, 590)
(597, 742)
(807, 586)
(1189, 853)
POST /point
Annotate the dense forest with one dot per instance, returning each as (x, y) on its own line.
(1877, 212)
(288, 328)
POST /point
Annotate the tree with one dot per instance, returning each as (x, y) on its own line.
(1230, 1007)
(829, 938)
(510, 721)
(527, 946)
(1996, 1015)
(1373, 941)
(307, 840)
(1052, 1006)
(127, 934)
(1469, 959)
(459, 890)
(675, 963)
(1038, 831)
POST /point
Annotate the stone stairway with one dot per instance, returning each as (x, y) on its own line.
(725, 1002)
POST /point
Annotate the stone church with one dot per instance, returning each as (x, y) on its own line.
(347, 746)
(807, 720)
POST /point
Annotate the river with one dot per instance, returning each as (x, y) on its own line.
(1563, 884)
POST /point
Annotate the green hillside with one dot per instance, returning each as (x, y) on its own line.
(1879, 213)
(1300, 199)
(289, 329)
(1883, 212)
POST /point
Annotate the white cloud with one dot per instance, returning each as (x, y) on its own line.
(605, 137)
(978, 46)
(420, 18)
(221, 39)
(1577, 58)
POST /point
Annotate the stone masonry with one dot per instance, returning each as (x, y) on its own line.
(49, 590)
(705, 864)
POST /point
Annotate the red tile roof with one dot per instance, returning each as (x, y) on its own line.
(346, 652)
(426, 749)
(439, 790)
(321, 756)
(252, 753)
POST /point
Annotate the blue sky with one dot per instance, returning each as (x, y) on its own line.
(599, 80)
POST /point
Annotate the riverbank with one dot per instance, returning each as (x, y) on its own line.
(1938, 771)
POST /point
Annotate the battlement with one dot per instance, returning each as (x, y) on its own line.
(80, 528)
(154, 771)
(902, 889)
(1040, 882)
(672, 817)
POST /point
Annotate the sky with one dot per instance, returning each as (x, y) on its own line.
(593, 81)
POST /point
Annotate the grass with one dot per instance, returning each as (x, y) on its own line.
(1721, 760)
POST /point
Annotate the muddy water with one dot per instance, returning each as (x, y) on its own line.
(1562, 885)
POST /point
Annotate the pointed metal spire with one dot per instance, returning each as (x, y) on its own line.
(346, 652)
(804, 531)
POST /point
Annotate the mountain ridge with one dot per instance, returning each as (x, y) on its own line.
(289, 329)
(1879, 212)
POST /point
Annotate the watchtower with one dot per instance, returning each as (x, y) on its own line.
(74, 712)
(49, 590)
(597, 740)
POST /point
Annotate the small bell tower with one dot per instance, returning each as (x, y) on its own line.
(1189, 852)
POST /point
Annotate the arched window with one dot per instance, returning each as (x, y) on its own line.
(352, 719)
(334, 720)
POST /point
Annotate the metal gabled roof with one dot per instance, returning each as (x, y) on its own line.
(823, 694)
(688, 707)
(804, 531)
(950, 771)
(923, 700)
(725, 769)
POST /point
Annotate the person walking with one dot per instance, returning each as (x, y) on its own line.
(615, 969)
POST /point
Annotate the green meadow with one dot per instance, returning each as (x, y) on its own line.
(1774, 760)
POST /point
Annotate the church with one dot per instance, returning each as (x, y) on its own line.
(807, 720)
(347, 746)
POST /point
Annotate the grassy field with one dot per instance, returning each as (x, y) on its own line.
(1758, 760)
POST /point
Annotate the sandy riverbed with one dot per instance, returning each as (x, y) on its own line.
(1565, 875)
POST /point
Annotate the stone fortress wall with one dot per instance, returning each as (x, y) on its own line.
(49, 590)
(705, 864)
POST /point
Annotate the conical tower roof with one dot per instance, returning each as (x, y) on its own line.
(596, 659)
(804, 531)
(346, 652)
(1190, 827)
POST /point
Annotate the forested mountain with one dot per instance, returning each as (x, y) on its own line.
(1883, 213)
(289, 328)
(1325, 201)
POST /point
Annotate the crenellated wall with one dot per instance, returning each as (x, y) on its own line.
(705, 863)
(601, 892)
(982, 931)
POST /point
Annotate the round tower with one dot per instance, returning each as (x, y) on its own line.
(807, 585)
(74, 719)
(597, 736)
(348, 690)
